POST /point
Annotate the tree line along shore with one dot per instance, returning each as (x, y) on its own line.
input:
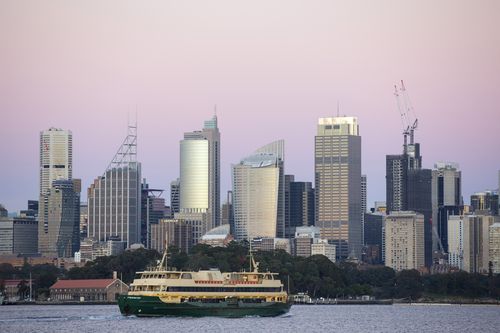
(315, 276)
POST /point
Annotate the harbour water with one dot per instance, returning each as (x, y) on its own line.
(301, 318)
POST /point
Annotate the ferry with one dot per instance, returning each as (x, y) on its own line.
(163, 292)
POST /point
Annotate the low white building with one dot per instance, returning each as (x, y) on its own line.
(322, 247)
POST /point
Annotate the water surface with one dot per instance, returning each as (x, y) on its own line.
(301, 318)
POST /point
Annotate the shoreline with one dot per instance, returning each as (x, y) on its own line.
(337, 302)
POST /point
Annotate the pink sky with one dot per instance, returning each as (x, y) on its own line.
(272, 68)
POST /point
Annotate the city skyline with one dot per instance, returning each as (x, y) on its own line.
(274, 79)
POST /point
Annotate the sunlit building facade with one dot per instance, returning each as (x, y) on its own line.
(56, 156)
(404, 240)
(199, 189)
(338, 184)
(256, 184)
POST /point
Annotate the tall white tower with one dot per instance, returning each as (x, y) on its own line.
(56, 156)
(200, 174)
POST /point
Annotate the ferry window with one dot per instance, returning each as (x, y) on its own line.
(186, 276)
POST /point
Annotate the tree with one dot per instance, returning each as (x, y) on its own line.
(409, 284)
(23, 289)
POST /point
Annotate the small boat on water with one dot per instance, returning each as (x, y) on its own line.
(163, 292)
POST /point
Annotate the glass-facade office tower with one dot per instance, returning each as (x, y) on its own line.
(200, 177)
(409, 188)
(257, 183)
(56, 157)
(446, 199)
(59, 219)
(301, 205)
(175, 190)
(114, 199)
(338, 184)
(152, 210)
(227, 212)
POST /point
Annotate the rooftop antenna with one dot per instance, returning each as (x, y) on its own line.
(338, 109)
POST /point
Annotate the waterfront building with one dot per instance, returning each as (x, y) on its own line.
(256, 196)
(56, 157)
(494, 247)
(11, 291)
(114, 199)
(404, 240)
(200, 175)
(91, 290)
(59, 219)
(173, 232)
(338, 184)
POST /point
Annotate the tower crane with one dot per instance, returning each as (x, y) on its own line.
(408, 119)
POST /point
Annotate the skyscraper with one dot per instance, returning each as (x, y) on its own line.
(56, 156)
(114, 199)
(469, 242)
(409, 187)
(200, 177)
(175, 190)
(338, 183)
(256, 196)
(227, 212)
(277, 148)
(363, 204)
(485, 202)
(289, 230)
(59, 219)
(152, 210)
(301, 205)
(446, 199)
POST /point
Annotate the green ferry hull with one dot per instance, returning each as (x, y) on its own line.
(149, 306)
